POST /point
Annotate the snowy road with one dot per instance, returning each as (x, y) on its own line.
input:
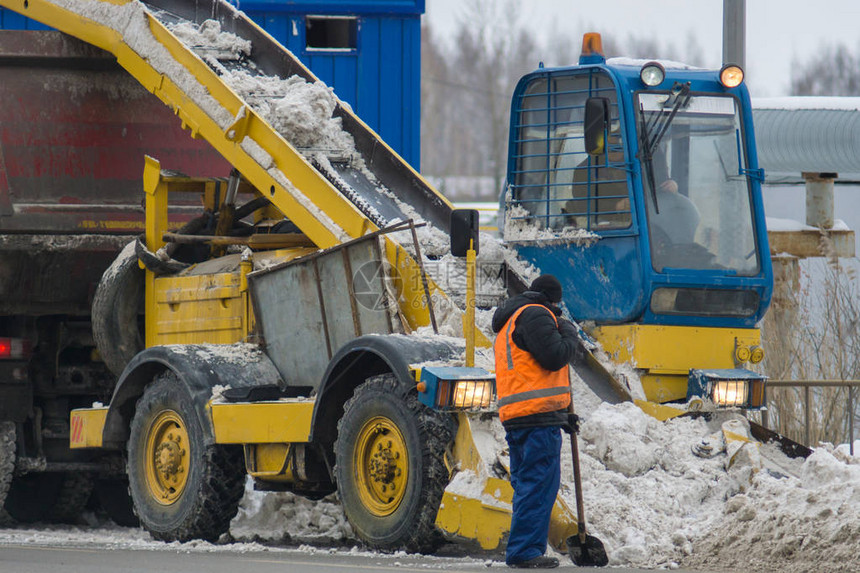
(109, 549)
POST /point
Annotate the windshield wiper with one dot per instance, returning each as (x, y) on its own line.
(646, 156)
(647, 146)
(681, 95)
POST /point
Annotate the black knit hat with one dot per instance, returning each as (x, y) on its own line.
(549, 286)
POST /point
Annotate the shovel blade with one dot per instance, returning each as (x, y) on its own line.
(591, 553)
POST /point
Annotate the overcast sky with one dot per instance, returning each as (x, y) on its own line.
(778, 31)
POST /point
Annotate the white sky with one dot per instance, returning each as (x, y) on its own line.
(778, 31)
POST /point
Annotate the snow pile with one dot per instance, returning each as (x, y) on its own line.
(647, 496)
(286, 517)
(790, 524)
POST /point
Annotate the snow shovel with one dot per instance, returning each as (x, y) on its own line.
(584, 550)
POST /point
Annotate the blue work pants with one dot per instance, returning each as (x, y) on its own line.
(535, 475)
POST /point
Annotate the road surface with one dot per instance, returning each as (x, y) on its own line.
(68, 549)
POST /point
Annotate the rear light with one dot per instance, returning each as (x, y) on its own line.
(14, 349)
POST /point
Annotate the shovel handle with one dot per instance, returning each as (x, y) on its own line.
(577, 479)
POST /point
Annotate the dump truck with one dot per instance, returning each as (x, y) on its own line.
(276, 320)
(73, 134)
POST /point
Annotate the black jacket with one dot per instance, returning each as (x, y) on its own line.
(553, 347)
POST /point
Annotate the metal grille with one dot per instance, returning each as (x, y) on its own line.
(553, 179)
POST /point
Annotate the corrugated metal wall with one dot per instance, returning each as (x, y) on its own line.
(380, 79)
(808, 140)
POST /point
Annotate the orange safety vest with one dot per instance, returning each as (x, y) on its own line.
(523, 386)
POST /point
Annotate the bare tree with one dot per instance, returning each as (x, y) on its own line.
(834, 71)
(813, 337)
(467, 90)
(466, 94)
(435, 126)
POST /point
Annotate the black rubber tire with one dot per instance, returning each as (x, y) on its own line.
(114, 498)
(426, 434)
(117, 307)
(32, 496)
(7, 464)
(7, 458)
(216, 473)
(75, 491)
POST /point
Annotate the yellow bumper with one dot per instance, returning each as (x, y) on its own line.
(664, 355)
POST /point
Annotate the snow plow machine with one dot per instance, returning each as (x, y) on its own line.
(292, 333)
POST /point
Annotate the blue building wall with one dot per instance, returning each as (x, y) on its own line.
(380, 78)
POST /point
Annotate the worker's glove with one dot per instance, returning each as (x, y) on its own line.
(572, 425)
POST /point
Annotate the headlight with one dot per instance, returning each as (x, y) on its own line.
(472, 394)
(652, 74)
(731, 76)
(727, 388)
(457, 387)
(730, 393)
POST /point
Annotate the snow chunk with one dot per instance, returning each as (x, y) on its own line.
(287, 516)
(519, 228)
(209, 37)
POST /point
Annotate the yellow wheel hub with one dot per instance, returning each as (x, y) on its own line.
(166, 457)
(381, 462)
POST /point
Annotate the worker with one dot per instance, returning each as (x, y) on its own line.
(678, 218)
(673, 223)
(533, 348)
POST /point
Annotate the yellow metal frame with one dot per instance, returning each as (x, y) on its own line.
(665, 354)
(269, 462)
(487, 519)
(469, 329)
(262, 422)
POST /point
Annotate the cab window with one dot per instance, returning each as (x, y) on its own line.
(555, 184)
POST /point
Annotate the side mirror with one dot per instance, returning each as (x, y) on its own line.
(596, 125)
(464, 229)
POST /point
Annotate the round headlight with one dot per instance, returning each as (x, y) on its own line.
(731, 76)
(652, 74)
